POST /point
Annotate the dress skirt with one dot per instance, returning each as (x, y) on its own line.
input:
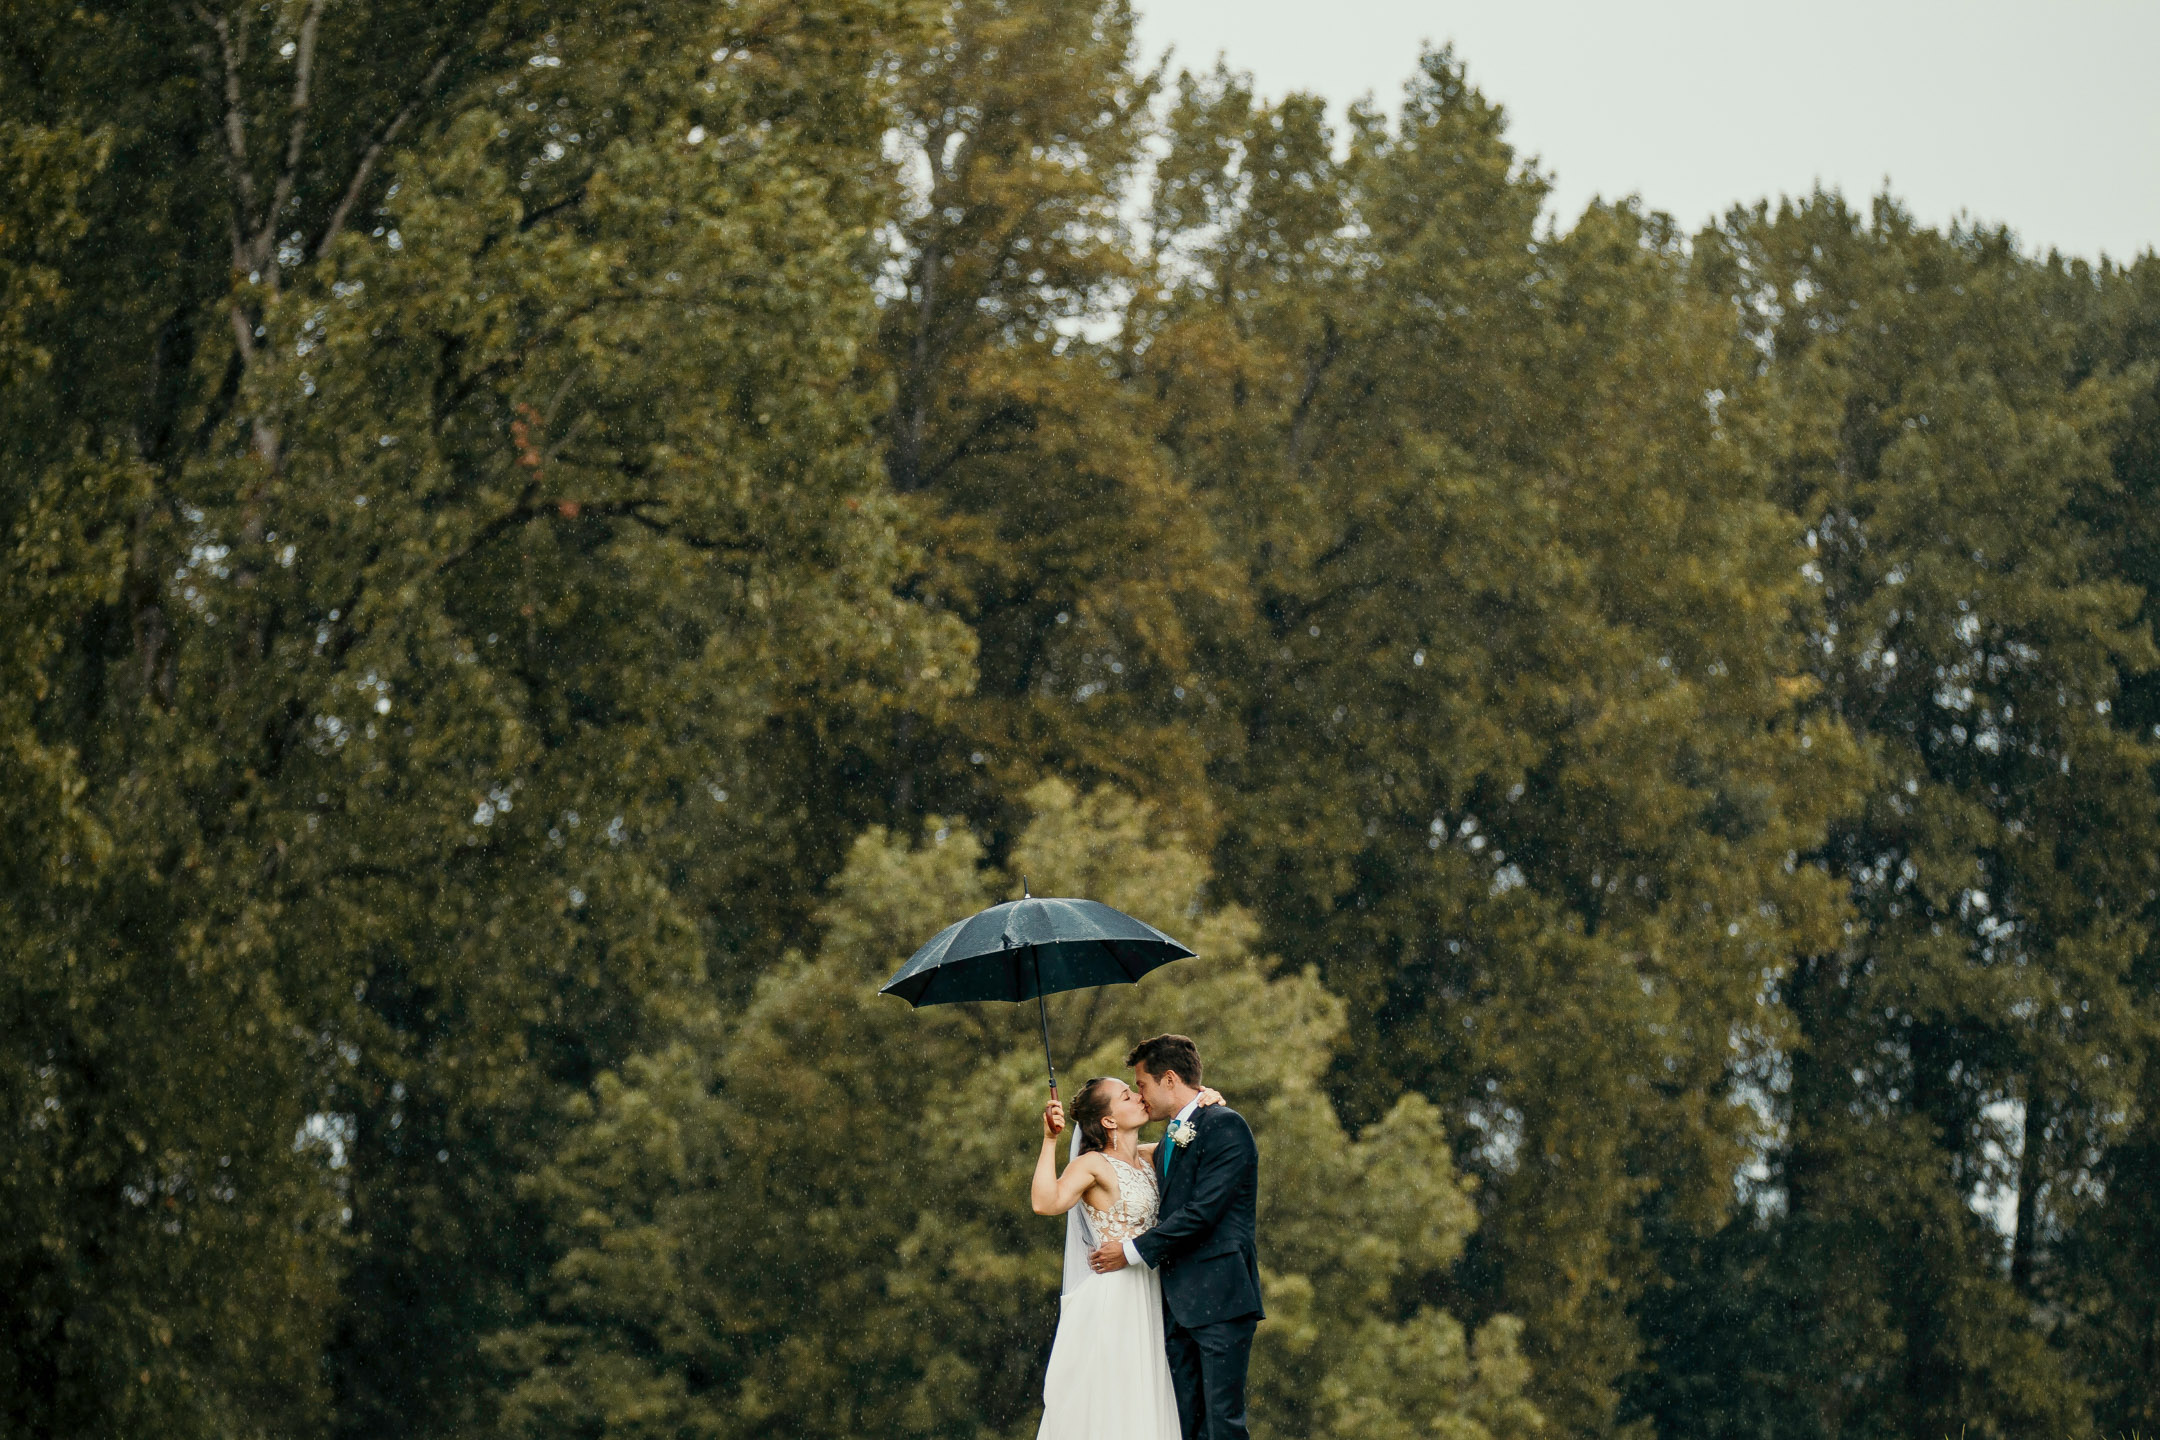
(1109, 1375)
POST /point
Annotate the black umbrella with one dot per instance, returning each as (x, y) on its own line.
(1028, 948)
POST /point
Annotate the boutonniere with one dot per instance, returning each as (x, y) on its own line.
(1183, 1133)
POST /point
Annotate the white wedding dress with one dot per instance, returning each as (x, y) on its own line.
(1109, 1376)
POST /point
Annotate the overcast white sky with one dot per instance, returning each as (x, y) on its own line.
(2042, 114)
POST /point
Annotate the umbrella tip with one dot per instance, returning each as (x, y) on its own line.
(1024, 889)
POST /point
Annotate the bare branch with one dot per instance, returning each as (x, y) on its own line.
(555, 403)
(243, 334)
(1330, 350)
(230, 47)
(296, 133)
(516, 515)
(368, 157)
(569, 432)
(569, 202)
(530, 508)
(1009, 415)
(634, 511)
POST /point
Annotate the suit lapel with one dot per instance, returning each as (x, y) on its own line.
(1169, 1150)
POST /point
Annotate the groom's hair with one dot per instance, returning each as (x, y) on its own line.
(1169, 1055)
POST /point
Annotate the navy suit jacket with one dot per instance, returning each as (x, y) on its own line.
(1205, 1243)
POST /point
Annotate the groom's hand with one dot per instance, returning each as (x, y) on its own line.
(1108, 1256)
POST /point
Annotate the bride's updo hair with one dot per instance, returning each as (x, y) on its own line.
(1088, 1109)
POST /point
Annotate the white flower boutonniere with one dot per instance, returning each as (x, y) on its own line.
(1183, 1133)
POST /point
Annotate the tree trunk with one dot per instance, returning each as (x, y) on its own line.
(2030, 1178)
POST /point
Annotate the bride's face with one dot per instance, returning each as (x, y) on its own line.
(1127, 1108)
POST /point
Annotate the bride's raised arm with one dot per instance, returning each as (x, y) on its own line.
(1051, 1193)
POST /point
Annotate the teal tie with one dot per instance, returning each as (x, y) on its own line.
(1168, 1145)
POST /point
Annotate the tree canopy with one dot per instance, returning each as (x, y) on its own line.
(544, 553)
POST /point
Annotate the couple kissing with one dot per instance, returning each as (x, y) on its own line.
(1162, 1277)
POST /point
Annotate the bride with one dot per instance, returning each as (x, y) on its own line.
(1109, 1375)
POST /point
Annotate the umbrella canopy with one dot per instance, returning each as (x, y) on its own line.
(1028, 948)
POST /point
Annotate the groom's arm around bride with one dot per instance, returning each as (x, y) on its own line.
(1214, 1219)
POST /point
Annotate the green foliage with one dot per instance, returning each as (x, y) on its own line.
(514, 519)
(418, 599)
(1986, 1018)
(1050, 520)
(1523, 766)
(831, 1152)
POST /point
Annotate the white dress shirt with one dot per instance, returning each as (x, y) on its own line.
(1132, 1253)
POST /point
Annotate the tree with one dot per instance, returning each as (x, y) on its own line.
(1049, 520)
(1979, 1029)
(1521, 759)
(2108, 1247)
(447, 501)
(837, 1167)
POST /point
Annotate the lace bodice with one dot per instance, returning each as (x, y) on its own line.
(1138, 1200)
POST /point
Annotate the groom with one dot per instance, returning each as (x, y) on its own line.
(1204, 1241)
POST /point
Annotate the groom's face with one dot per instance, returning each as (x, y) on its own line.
(1160, 1093)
